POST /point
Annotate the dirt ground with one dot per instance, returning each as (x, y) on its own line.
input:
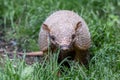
(10, 49)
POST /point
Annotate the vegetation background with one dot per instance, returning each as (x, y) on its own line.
(20, 20)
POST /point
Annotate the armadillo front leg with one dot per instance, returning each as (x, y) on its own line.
(82, 56)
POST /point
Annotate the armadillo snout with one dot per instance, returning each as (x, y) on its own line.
(64, 48)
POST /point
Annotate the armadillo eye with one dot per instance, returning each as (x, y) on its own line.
(52, 37)
(73, 36)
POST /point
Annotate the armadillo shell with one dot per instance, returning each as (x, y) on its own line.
(83, 40)
(43, 40)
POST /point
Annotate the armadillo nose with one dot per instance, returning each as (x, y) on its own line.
(64, 48)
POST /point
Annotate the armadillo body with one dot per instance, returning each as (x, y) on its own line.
(57, 31)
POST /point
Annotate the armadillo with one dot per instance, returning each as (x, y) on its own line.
(67, 31)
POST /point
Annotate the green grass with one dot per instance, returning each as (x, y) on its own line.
(21, 20)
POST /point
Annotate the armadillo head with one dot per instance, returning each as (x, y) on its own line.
(62, 35)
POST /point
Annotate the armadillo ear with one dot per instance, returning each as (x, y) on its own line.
(45, 27)
(79, 24)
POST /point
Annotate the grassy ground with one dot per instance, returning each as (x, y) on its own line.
(21, 20)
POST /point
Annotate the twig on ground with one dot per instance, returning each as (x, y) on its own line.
(39, 53)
